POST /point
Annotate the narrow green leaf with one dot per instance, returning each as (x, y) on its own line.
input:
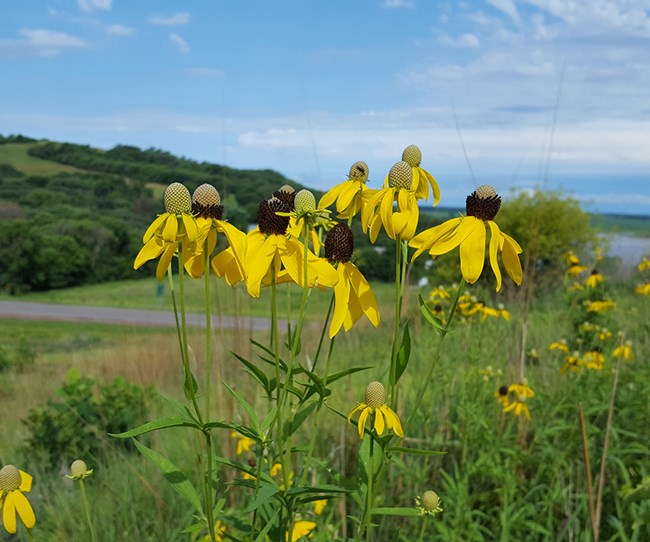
(163, 423)
(299, 418)
(269, 524)
(264, 494)
(430, 317)
(245, 405)
(173, 475)
(403, 354)
(255, 371)
(341, 374)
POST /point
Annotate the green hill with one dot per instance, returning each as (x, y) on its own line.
(72, 214)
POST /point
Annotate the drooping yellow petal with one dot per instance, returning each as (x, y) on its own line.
(363, 293)
(348, 191)
(25, 482)
(165, 260)
(420, 185)
(357, 408)
(368, 213)
(331, 195)
(393, 421)
(9, 512)
(226, 265)
(472, 253)
(153, 228)
(375, 226)
(386, 212)
(191, 229)
(24, 509)
(510, 257)
(171, 229)
(434, 186)
(453, 238)
(237, 240)
(495, 241)
(341, 298)
(150, 251)
(362, 421)
(259, 258)
(423, 241)
(379, 421)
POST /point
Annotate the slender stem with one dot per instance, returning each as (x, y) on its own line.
(588, 477)
(423, 528)
(323, 331)
(364, 525)
(208, 337)
(398, 310)
(603, 461)
(436, 356)
(209, 505)
(87, 510)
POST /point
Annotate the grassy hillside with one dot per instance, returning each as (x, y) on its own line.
(18, 156)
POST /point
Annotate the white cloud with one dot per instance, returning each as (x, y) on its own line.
(393, 4)
(92, 5)
(182, 45)
(508, 7)
(120, 30)
(40, 42)
(175, 19)
(466, 40)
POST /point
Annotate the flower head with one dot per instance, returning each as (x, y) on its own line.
(79, 470)
(594, 279)
(521, 393)
(421, 177)
(560, 345)
(428, 503)
(353, 296)
(13, 483)
(644, 264)
(643, 289)
(378, 209)
(348, 195)
(469, 233)
(166, 233)
(600, 305)
(501, 395)
(375, 404)
(593, 359)
(624, 351)
(244, 444)
(301, 528)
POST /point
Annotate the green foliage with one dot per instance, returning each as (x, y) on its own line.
(547, 225)
(5, 359)
(77, 424)
(24, 355)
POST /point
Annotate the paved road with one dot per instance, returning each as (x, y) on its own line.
(107, 315)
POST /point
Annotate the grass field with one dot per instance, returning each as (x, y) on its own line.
(17, 156)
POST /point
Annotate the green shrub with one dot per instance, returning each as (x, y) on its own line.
(78, 422)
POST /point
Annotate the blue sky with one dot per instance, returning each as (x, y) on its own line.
(515, 93)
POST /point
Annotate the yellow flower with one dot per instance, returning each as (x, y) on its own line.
(503, 312)
(348, 195)
(522, 392)
(13, 483)
(594, 279)
(501, 395)
(421, 177)
(644, 264)
(469, 233)
(376, 404)
(353, 296)
(206, 206)
(378, 209)
(576, 269)
(604, 334)
(439, 293)
(593, 359)
(572, 363)
(219, 531)
(643, 289)
(600, 306)
(163, 237)
(276, 472)
(269, 247)
(319, 506)
(624, 351)
(301, 528)
(560, 345)
(244, 444)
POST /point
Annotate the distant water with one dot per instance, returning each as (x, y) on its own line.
(628, 248)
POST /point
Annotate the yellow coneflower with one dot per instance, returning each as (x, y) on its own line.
(624, 351)
(469, 233)
(422, 179)
(244, 444)
(13, 483)
(375, 404)
(560, 345)
(573, 363)
(301, 528)
(594, 279)
(644, 264)
(600, 305)
(353, 296)
(439, 292)
(378, 207)
(594, 359)
(207, 208)
(643, 289)
(348, 195)
(175, 226)
(501, 396)
(521, 392)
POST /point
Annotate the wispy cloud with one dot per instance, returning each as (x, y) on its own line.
(120, 30)
(180, 43)
(397, 4)
(171, 20)
(508, 7)
(40, 42)
(92, 5)
(466, 40)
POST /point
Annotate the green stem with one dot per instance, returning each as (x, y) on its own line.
(398, 310)
(208, 337)
(323, 331)
(209, 505)
(87, 510)
(436, 356)
(423, 528)
(364, 525)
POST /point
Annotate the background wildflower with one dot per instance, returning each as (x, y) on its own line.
(375, 403)
(348, 195)
(13, 483)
